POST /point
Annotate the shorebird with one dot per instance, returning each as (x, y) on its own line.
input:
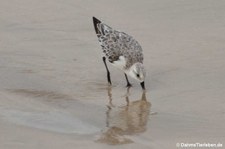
(122, 51)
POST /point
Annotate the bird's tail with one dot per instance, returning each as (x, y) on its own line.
(96, 22)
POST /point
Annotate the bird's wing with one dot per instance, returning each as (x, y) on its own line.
(115, 43)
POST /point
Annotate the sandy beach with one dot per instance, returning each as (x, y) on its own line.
(53, 86)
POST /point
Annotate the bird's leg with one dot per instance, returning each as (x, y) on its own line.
(108, 73)
(143, 85)
(128, 83)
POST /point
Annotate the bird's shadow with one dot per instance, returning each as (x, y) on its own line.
(124, 121)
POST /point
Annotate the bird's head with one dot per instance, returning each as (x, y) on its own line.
(137, 71)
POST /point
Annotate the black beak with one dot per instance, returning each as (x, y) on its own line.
(143, 85)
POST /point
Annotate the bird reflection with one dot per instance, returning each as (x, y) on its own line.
(123, 122)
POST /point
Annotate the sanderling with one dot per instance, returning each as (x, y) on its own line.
(122, 51)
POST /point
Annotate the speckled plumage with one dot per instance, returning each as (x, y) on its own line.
(122, 51)
(115, 44)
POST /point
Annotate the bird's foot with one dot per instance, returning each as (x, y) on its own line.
(109, 84)
(129, 85)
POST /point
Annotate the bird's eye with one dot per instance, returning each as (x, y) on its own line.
(138, 75)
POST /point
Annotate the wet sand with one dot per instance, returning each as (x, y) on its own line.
(53, 89)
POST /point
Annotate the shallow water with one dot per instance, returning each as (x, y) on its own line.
(128, 118)
(53, 88)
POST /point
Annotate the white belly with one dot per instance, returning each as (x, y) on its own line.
(120, 63)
